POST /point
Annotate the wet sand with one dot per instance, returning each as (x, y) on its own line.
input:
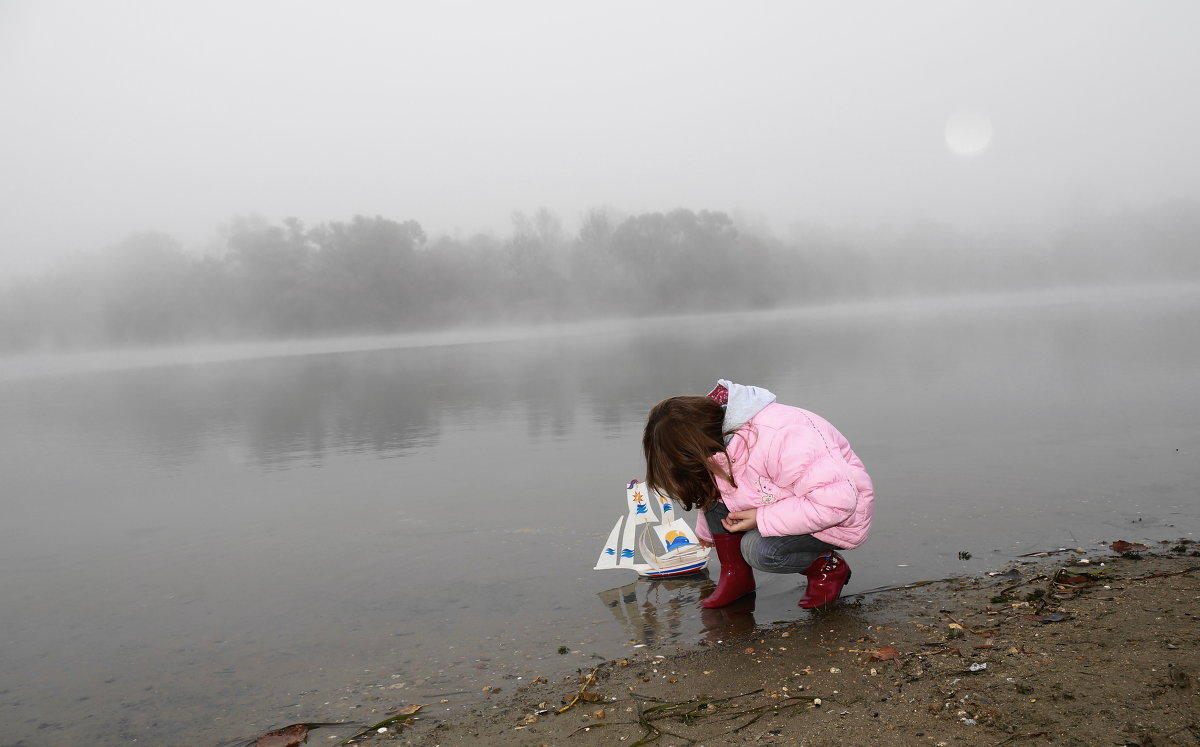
(1042, 651)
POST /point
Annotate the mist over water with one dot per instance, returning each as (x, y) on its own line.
(225, 547)
(376, 275)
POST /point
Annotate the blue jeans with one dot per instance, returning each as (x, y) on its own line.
(790, 554)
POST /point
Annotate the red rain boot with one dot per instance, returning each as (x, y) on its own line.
(826, 577)
(737, 577)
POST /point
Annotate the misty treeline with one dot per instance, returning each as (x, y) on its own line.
(378, 275)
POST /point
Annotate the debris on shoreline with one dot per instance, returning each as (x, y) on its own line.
(1048, 651)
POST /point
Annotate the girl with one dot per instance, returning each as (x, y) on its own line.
(777, 487)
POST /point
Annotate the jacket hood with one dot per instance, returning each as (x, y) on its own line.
(744, 403)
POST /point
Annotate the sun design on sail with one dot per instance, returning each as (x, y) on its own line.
(666, 546)
(676, 540)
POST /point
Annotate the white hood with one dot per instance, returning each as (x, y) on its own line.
(744, 403)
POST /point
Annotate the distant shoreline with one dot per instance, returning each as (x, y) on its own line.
(31, 365)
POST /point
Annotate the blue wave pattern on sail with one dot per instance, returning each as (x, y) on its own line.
(608, 556)
(680, 553)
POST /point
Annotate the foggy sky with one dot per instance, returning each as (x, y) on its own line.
(123, 116)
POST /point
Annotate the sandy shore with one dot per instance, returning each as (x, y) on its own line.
(1045, 651)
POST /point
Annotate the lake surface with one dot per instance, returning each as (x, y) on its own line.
(201, 545)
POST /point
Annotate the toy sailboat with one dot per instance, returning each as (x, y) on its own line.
(665, 545)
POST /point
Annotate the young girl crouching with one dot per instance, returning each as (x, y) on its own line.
(777, 488)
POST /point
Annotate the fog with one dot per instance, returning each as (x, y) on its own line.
(130, 117)
(912, 218)
(979, 133)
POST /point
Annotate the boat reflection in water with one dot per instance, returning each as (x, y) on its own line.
(654, 611)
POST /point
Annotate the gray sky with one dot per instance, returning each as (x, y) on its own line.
(120, 116)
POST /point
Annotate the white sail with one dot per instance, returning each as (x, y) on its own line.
(676, 535)
(612, 548)
(628, 549)
(641, 504)
(666, 509)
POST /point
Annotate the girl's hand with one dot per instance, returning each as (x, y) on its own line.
(741, 521)
(704, 543)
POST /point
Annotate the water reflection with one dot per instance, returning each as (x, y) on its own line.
(653, 611)
(283, 412)
(732, 621)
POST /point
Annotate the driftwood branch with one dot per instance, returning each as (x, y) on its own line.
(591, 680)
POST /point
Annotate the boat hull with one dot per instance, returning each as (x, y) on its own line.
(681, 571)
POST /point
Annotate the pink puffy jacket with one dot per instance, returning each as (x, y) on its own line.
(802, 476)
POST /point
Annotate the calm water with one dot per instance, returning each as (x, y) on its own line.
(202, 550)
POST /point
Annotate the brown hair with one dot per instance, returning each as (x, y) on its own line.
(681, 437)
